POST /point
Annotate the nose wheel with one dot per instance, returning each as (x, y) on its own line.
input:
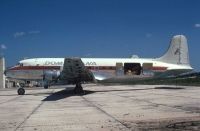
(46, 86)
(21, 91)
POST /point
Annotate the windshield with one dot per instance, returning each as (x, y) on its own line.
(19, 64)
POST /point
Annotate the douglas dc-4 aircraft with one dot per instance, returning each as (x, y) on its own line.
(79, 70)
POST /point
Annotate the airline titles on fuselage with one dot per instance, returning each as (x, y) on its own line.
(59, 63)
(90, 64)
(53, 63)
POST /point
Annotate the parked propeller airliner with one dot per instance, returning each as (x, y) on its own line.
(78, 70)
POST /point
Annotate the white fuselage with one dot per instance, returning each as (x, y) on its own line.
(106, 62)
(34, 68)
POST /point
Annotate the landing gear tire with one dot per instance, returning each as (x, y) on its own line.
(21, 91)
(78, 89)
(46, 86)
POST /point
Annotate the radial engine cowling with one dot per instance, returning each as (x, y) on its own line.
(51, 75)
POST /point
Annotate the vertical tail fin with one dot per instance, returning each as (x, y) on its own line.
(177, 52)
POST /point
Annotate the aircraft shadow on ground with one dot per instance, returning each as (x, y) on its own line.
(64, 94)
(169, 88)
(69, 93)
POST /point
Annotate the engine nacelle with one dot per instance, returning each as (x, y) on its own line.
(51, 75)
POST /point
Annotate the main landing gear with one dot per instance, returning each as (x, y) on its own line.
(78, 89)
(21, 91)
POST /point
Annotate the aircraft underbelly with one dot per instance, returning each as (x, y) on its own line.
(25, 74)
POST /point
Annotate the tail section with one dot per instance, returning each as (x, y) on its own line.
(177, 52)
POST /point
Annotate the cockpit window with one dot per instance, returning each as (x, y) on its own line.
(19, 64)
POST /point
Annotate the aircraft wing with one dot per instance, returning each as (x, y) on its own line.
(74, 71)
(170, 73)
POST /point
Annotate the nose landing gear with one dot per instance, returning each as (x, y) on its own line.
(21, 91)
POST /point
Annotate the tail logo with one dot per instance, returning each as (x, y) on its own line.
(177, 52)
